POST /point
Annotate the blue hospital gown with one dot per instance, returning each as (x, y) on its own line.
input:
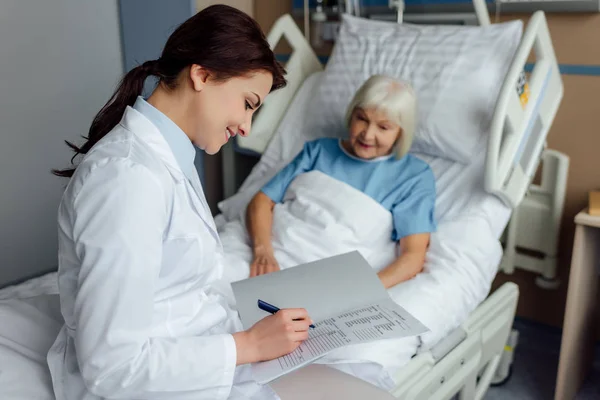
(405, 187)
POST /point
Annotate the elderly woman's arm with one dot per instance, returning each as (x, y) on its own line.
(259, 219)
(259, 215)
(410, 262)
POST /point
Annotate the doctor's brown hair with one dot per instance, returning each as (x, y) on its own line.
(220, 38)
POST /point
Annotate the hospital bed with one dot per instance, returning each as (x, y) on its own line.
(474, 348)
(467, 344)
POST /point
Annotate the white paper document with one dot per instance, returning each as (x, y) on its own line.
(362, 325)
(343, 296)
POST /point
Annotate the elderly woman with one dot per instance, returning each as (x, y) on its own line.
(373, 159)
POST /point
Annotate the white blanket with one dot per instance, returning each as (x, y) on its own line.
(321, 217)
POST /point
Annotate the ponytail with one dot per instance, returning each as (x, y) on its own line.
(110, 115)
(222, 39)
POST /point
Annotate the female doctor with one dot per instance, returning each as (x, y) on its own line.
(139, 255)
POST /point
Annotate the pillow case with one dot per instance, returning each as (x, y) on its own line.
(457, 73)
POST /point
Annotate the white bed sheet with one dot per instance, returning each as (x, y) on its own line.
(30, 320)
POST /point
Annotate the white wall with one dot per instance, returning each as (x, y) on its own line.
(59, 63)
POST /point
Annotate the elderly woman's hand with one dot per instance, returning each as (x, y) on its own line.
(264, 262)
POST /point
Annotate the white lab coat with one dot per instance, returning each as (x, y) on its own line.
(139, 264)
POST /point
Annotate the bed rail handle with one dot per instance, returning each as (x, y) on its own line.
(449, 343)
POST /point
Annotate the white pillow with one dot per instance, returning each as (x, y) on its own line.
(457, 73)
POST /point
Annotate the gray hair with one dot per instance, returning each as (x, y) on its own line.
(393, 97)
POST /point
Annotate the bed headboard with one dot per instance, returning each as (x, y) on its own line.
(518, 133)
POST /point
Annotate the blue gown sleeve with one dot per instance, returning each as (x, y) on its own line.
(303, 162)
(415, 213)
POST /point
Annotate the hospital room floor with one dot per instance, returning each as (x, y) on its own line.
(536, 364)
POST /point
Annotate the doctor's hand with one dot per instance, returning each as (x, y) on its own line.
(273, 336)
(264, 262)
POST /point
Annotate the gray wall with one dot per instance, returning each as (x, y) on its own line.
(59, 62)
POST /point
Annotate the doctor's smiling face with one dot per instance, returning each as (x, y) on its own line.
(215, 70)
(221, 109)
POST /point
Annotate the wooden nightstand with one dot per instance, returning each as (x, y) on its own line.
(578, 337)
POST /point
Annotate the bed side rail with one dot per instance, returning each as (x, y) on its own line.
(302, 63)
(468, 369)
(518, 133)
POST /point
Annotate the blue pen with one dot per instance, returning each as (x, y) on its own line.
(263, 305)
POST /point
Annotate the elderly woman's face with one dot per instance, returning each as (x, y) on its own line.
(372, 134)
